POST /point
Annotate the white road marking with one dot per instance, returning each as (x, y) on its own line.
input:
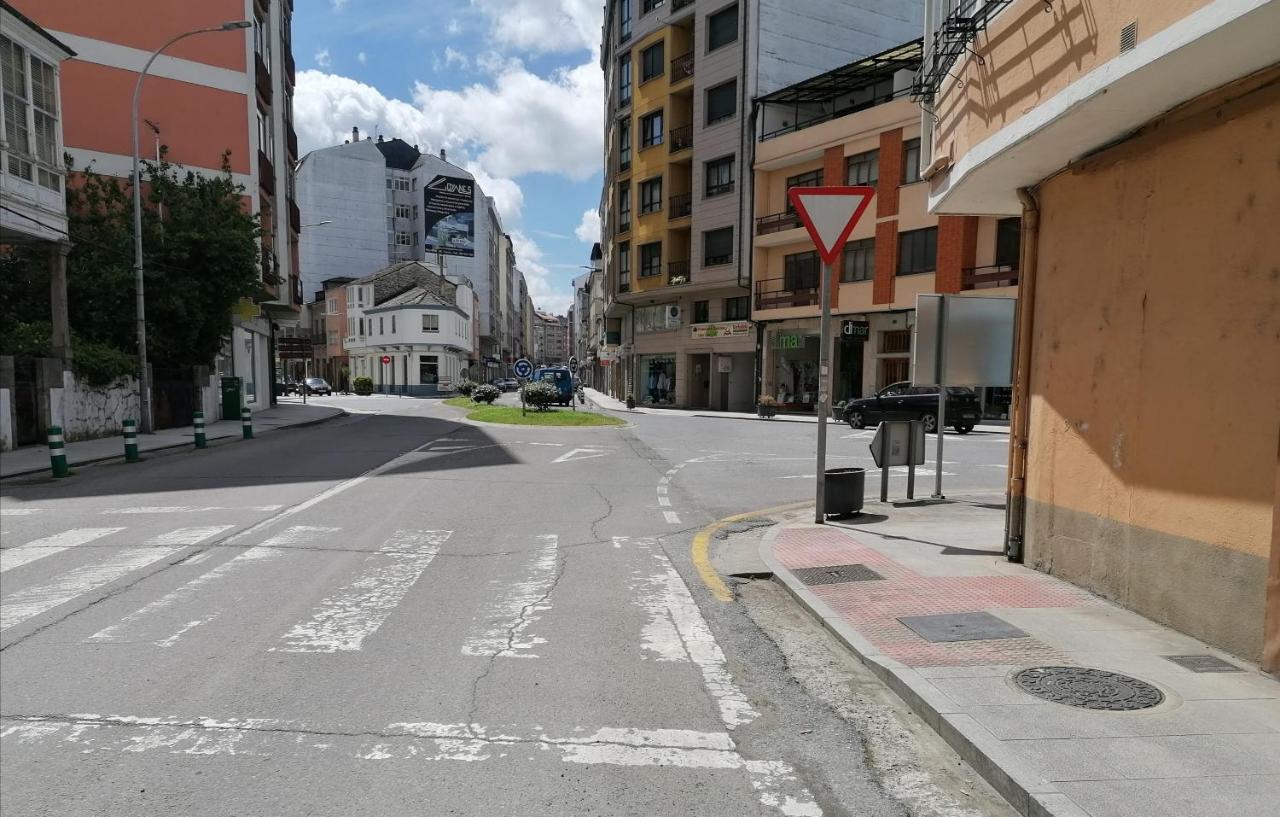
(139, 625)
(664, 501)
(580, 454)
(344, 620)
(664, 480)
(659, 636)
(33, 601)
(19, 511)
(150, 509)
(502, 632)
(552, 445)
(662, 488)
(671, 517)
(49, 545)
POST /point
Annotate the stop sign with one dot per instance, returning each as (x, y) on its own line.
(386, 359)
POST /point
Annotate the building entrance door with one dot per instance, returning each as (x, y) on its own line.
(848, 384)
(699, 380)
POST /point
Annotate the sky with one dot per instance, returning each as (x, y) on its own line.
(511, 89)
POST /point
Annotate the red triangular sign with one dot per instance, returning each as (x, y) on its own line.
(829, 214)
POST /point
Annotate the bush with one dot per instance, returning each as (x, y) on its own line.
(362, 385)
(101, 365)
(484, 393)
(767, 400)
(466, 387)
(540, 394)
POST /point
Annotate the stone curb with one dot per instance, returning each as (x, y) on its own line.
(234, 437)
(1028, 793)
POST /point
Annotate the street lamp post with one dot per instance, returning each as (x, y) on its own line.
(144, 378)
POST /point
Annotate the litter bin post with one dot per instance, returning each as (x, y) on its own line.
(246, 422)
(57, 453)
(130, 431)
(198, 426)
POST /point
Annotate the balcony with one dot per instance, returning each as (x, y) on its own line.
(680, 206)
(289, 69)
(295, 216)
(678, 273)
(270, 268)
(993, 275)
(682, 68)
(784, 293)
(262, 78)
(681, 138)
(777, 222)
(624, 226)
(291, 137)
(266, 173)
(676, 5)
(624, 283)
(296, 283)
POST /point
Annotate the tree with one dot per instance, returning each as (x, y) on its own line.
(200, 255)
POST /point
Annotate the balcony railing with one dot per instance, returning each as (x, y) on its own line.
(624, 226)
(680, 205)
(681, 138)
(782, 293)
(681, 67)
(993, 275)
(678, 272)
(262, 78)
(776, 223)
(624, 283)
(266, 173)
(676, 5)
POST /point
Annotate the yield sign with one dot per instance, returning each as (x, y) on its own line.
(829, 214)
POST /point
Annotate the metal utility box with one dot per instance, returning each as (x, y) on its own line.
(232, 397)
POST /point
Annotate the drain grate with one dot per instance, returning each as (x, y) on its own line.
(1088, 688)
(1202, 663)
(962, 627)
(836, 574)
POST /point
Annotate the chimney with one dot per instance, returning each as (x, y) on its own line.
(355, 134)
(379, 138)
(442, 155)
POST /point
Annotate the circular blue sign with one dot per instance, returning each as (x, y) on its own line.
(522, 368)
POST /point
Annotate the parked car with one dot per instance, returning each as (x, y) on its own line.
(286, 387)
(506, 383)
(903, 401)
(317, 385)
(561, 378)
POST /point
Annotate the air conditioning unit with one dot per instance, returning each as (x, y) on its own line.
(673, 315)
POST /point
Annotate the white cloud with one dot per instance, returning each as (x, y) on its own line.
(545, 295)
(507, 195)
(454, 28)
(339, 4)
(544, 25)
(453, 56)
(322, 58)
(361, 56)
(589, 229)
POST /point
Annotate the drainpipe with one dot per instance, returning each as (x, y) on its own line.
(1020, 422)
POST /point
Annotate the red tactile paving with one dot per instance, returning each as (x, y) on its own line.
(874, 607)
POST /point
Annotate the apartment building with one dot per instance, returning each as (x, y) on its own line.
(681, 76)
(328, 313)
(1137, 141)
(550, 339)
(373, 202)
(857, 124)
(213, 94)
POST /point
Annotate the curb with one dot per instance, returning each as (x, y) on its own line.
(1028, 793)
(213, 441)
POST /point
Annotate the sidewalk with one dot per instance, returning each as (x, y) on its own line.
(33, 459)
(604, 401)
(923, 597)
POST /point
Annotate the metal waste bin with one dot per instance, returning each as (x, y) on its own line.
(844, 490)
(232, 397)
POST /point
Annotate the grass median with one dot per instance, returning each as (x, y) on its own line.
(511, 415)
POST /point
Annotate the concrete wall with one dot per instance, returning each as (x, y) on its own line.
(345, 184)
(1155, 387)
(87, 412)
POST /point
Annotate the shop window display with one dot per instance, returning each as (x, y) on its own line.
(658, 376)
(795, 371)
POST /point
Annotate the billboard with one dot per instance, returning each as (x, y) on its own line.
(972, 338)
(449, 216)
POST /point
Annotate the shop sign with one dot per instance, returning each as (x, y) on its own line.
(855, 330)
(608, 354)
(721, 330)
(781, 341)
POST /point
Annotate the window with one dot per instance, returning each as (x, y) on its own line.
(402, 239)
(863, 168)
(722, 27)
(653, 62)
(650, 5)
(393, 324)
(650, 259)
(800, 271)
(656, 318)
(1008, 241)
(624, 206)
(811, 179)
(430, 323)
(717, 247)
(332, 338)
(719, 176)
(428, 370)
(911, 161)
(651, 129)
(624, 266)
(859, 263)
(701, 311)
(402, 184)
(738, 308)
(624, 20)
(896, 341)
(382, 328)
(17, 129)
(402, 211)
(332, 307)
(624, 144)
(624, 79)
(918, 251)
(361, 327)
(651, 196)
(415, 209)
(722, 102)
(266, 135)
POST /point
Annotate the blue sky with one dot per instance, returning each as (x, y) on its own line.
(510, 88)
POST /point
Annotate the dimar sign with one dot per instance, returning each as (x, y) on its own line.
(721, 330)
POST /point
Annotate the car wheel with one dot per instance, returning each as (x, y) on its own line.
(930, 421)
(963, 429)
(855, 420)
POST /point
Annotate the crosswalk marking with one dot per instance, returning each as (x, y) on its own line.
(153, 509)
(33, 601)
(343, 621)
(19, 511)
(49, 545)
(506, 620)
(137, 626)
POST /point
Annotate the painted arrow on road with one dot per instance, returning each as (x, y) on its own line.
(580, 454)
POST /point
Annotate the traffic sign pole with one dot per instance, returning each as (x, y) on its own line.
(824, 398)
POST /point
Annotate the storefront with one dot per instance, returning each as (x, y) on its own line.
(656, 380)
(794, 381)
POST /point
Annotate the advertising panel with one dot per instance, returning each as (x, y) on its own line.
(449, 214)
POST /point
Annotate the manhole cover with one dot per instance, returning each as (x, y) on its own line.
(1088, 688)
(1203, 663)
(961, 627)
(835, 574)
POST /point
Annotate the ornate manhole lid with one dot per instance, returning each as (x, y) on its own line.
(1088, 688)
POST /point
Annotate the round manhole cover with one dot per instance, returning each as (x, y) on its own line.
(1088, 688)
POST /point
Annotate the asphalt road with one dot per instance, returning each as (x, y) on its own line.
(400, 613)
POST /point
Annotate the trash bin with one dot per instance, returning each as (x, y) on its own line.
(844, 490)
(232, 397)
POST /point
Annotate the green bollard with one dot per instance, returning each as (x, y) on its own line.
(198, 423)
(246, 421)
(57, 453)
(130, 432)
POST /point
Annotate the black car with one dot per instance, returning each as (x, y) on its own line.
(903, 401)
(317, 385)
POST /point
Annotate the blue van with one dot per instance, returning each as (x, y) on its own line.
(561, 378)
